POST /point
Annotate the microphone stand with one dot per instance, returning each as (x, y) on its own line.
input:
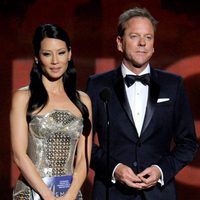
(108, 149)
(105, 97)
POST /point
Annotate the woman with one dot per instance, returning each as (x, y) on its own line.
(51, 123)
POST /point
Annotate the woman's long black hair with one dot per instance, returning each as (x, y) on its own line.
(39, 96)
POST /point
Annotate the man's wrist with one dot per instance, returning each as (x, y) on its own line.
(161, 179)
(113, 179)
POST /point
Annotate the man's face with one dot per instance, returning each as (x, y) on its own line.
(137, 43)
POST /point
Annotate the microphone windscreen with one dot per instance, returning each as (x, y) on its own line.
(105, 94)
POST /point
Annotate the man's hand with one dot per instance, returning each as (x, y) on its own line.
(149, 177)
(125, 175)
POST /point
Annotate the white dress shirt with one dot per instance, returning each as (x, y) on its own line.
(137, 95)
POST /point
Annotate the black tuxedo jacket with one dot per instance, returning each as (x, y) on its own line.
(167, 138)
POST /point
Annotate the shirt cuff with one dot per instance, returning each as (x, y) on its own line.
(161, 180)
(113, 179)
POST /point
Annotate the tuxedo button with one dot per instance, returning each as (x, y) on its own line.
(139, 144)
(135, 164)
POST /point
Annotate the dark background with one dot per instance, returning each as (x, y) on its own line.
(91, 25)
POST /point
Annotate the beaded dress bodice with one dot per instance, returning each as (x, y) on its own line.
(52, 142)
(53, 138)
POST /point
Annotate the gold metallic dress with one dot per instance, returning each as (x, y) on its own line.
(53, 138)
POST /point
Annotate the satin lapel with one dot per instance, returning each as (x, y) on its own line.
(121, 94)
(154, 90)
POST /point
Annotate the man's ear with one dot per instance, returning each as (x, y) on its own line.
(119, 43)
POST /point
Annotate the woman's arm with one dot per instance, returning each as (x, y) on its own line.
(83, 156)
(19, 141)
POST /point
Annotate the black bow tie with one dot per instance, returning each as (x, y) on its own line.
(130, 79)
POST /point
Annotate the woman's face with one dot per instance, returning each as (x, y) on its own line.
(54, 57)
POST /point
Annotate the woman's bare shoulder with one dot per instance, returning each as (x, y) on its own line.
(25, 88)
(21, 96)
(84, 98)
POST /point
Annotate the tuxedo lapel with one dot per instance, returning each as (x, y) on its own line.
(121, 94)
(154, 90)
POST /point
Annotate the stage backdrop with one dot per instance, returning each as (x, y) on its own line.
(91, 25)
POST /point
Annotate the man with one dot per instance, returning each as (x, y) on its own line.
(150, 128)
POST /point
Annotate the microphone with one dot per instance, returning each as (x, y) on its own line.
(105, 97)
